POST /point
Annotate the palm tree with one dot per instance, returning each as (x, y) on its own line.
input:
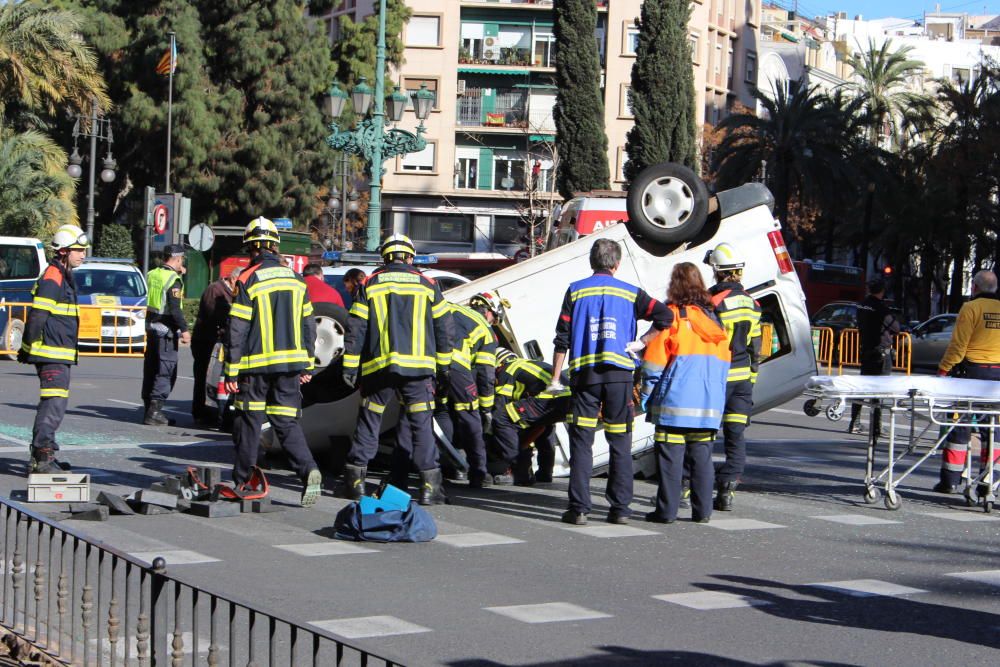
(881, 79)
(801, 138)
(37, 194)
(45, 65)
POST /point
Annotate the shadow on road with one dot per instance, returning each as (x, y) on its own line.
(622, 655)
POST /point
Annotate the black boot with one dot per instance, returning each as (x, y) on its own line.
(43, 462)
(431, 492)
(724, 498)
(154, 415)
(354, 481)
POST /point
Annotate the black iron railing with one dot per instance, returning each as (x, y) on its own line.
(83, 602)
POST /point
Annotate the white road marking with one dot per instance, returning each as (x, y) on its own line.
(176, 557)
(139, 405)
(742, 524)
(16, 441)
(464, 540)
(609, 530)
(963, 515)
(325, 549)
(708, 600)
(550, 612)
(369, 626)
(855, 519)
(868, 588)
(991, 577)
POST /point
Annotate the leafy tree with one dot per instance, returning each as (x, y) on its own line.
(579, 111)
(354, 52)
(36, 196)
(115, 241)
(45, 65)
(662, 93)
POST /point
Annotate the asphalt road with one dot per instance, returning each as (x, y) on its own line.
(803, 572)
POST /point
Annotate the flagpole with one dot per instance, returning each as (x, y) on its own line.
(170, 105)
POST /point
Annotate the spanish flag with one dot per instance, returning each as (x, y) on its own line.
(168, 63)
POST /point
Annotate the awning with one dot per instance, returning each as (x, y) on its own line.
(538, 86)
(542, 137)
(502, 72)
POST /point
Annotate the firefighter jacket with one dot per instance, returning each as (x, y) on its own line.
(399, 324)
(524, 378)
(684, 372)
(475, 350)
(163, 304)
(597, 321)
(740, 317)
(50, 333)
(976, 336)
(271, 327)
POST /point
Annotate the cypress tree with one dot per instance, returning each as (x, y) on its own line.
(581, 142)
(662, 92)
(354, 52)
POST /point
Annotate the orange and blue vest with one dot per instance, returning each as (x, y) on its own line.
(50, 333)
(684, 372)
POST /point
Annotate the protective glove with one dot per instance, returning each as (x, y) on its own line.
(635, 348)
(487, 417)
(555, 387)
(351, 378)
(22, 355)
(442, 382)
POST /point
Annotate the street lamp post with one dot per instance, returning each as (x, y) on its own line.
(100, 128)
(370, 139)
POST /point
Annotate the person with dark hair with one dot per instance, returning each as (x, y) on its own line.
(877, 327)
(352, 281)
(209, 326)
(165, 329)
(596, 327)
(319, 291)
(684, 374)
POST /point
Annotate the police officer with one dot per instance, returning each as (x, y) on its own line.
(398, 339)
(877, 326)
(739, 314)
(165, 328)
(526, 410)
(269, 355)
(974, 353)
(596, 325)
(50, 341)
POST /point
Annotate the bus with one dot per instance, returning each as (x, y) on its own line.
(825, 283)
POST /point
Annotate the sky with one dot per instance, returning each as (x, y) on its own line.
(873, 9)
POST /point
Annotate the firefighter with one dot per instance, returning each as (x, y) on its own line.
(165, 328)
(740, 317)
(269, 355)
(50, 340)
(525, 410)
(398, 340)
(974, 353)
(596, 326)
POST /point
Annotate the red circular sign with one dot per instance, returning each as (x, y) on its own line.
(160, 219)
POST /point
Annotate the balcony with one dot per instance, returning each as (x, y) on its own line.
(503, 46)
(523, 108)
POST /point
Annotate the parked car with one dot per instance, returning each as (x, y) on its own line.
(930, 339)
(111, 284)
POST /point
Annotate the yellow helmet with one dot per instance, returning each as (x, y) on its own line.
(397, 243)
(70, 237)
(724, 258)
(261, 230)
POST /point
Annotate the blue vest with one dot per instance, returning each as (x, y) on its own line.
(603, 320)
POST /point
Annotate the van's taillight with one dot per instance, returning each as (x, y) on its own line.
(780, 252)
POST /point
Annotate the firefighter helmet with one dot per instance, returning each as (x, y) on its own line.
(397, 243)
(70, 237)
(505, 356)
(261, 230)
(491, 302)
(724, 258)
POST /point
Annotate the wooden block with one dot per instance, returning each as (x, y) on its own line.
(116, 504)
(214, 510)
(149, 497)
(153, 510)
(94, 513)
(264, 506)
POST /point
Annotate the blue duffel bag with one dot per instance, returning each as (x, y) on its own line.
(413, 524)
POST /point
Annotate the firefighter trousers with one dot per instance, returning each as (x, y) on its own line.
(735, 417)
(53, 396)
(612, 400)
(415, 440)
(277, 398)
(159, 367)
(675, 450)
(955, 451)
(463, 406)
(510, 420)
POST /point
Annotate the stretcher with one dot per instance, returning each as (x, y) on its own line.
(946, 403)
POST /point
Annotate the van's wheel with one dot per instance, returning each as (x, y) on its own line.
(667, 203)
(331, 327)
(12, 338)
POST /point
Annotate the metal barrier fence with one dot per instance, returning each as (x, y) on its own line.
(82, 602)
(822, 338)
(106, 329)
(849, 351)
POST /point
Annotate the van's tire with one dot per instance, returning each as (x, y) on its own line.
(331, 327)
(667, 203)
(12, 337)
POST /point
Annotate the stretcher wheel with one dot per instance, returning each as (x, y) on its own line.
(970, 499)
(893, 501)
(872, 495)
(835, 412)
(988, 506)
(809, 407)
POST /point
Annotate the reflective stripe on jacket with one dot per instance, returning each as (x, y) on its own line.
(53, 324)
(684, 372)
(739, 314)
(474, 348)
(603, 322)
(165, 292)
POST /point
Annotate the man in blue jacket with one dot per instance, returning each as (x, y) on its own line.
(596, 325)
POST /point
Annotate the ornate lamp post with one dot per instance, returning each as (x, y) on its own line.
(370, 138)
(100, 128)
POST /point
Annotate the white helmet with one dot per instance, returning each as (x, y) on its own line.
(505, 356)
(492, 302)
(724, 258)
(70, 237)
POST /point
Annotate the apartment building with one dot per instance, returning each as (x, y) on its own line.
(489, 166)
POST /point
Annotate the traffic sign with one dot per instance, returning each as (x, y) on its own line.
(160, 218)
(201, 237)
(283, 223)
